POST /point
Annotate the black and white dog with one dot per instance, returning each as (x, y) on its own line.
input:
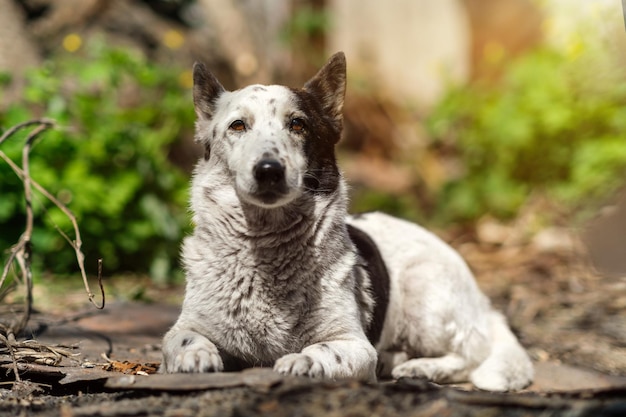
(278, 274)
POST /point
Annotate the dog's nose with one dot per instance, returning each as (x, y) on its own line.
(269, 172)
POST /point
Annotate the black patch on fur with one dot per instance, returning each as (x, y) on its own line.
(207, 146)
(319, 145)
(309, 361)
(321, 100)
(338, 359)
(186, 342)
(379, 277)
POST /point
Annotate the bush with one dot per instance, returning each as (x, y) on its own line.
(551, 125)
(108, 162)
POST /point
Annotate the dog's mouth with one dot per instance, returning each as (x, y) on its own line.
(269, 198)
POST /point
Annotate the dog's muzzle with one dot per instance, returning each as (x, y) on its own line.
(269, 174)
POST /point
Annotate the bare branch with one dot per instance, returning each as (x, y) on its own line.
(9, 343)
(100, 285)
(7, 266)
(24, 252)
(75, 244)
(21, 251)
(17, 127)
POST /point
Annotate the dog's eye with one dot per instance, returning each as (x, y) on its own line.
(296, 125)
(237, 126)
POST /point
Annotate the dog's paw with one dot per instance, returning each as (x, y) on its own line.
(299, 364)
(415, 369)
(489, 381)
(194, 354)
(495, 375)
(445, 369)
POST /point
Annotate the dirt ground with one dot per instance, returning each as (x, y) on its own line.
(571, 318)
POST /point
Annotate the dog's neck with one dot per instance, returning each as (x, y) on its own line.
(262, 222)
(307, 219)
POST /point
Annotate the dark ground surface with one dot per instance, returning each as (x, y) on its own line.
(297, 397)
(571, 319)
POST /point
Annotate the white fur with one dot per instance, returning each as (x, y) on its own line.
(264, 296)
(279, 282)
(438, 321)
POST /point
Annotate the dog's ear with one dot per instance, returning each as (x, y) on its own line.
(206, 90)
(329, 86)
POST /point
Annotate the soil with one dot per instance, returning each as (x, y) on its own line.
(571, 318)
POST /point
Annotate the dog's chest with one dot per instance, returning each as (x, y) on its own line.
(265, 323)
(259, 296)
(259, 310)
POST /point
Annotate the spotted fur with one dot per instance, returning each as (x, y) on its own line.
(278, 274)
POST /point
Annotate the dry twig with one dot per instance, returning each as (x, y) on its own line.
(32, 351)
(21, 253)
(8, 342)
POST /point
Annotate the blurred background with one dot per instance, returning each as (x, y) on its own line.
(495, 122)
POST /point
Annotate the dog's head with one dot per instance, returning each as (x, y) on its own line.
(275, 143)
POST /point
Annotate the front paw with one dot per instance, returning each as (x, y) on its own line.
(299, 364)
(192, 354)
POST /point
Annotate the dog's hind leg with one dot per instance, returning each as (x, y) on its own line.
(507, 367)
(439, 319)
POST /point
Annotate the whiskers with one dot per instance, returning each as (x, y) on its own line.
(313, 183)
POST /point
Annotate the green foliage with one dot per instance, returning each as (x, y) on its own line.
(305, 33)
(108, 162)
(307, 22)
(550, 126)
(364, 200)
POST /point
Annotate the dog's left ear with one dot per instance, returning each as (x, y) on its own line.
(329, 87)
(206, 90)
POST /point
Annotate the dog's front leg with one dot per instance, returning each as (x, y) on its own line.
(188, 351)
(337, 359)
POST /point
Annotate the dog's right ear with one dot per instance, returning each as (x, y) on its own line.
(206, 90)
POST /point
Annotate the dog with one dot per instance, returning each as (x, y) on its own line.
(278, 274)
